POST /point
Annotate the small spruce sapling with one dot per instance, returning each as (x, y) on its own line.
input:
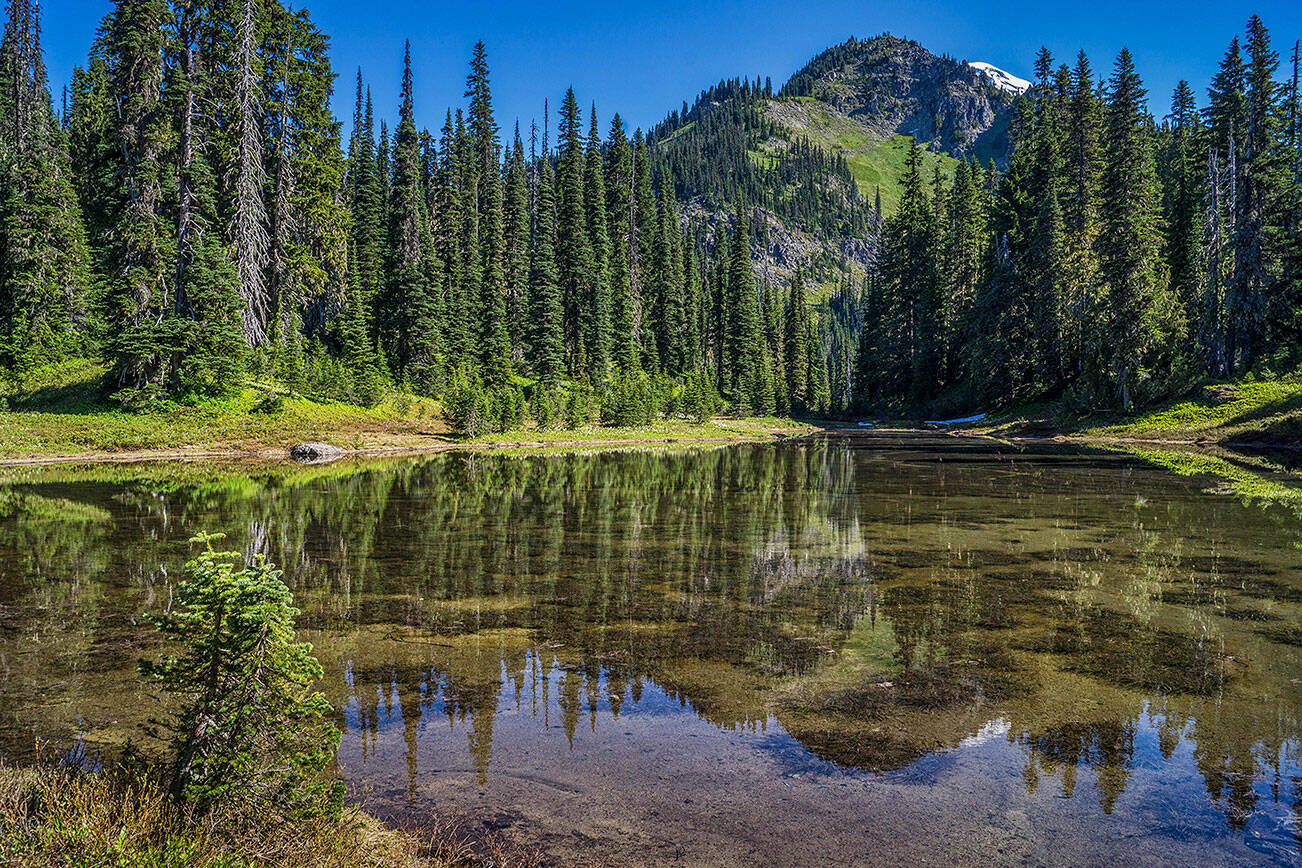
(246, 729)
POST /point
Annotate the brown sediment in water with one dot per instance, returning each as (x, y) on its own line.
(868, 651)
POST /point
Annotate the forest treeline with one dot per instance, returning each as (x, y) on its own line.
(1116, 259)
(193, 215)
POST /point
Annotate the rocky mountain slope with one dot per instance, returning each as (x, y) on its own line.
(892, 86)
(854, 108)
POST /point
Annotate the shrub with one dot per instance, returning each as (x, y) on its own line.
(631, 400)
(700, 402)
(401, 401)
(246, 726)
(510, 408)
(579, 406)
(269, 403)
(542, 406)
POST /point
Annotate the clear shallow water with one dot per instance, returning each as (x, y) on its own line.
(850, 650)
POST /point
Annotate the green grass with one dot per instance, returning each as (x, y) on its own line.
(883, 165)
(1268, 411)
(62, 412)
(874, 162)
(661, 431)
(1258, 412)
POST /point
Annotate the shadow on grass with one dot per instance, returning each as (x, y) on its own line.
(1289, 404)
(80, 398)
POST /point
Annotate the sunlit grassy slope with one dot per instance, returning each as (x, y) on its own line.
(62, 411)
(1261, 411)
(875, 161)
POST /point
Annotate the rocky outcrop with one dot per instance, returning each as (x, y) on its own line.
(786, 245)
(894, 86)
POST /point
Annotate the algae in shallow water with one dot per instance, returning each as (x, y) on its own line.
(583, 640)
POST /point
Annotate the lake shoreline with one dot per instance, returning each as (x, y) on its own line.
(63, 814)
(719, 431)
(1253, 414)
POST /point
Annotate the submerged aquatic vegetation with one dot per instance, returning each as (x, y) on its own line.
(521, 638)
(1252, 477)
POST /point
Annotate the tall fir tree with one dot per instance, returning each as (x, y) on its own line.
(547, 337)
(1130, 233)
(411, 309)
(150, 339)
(620, 211)
(487, 184)
(573, 249)
(746, 368)
(597, 325)
(516, 256)
(44, 261)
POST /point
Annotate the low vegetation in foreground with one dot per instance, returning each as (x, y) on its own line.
(236, 771)
(59, 815)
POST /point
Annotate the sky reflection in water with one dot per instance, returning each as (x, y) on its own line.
(850, 649)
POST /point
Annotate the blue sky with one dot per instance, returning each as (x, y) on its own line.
(643, 59)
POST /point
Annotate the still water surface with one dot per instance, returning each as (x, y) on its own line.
(839, 650)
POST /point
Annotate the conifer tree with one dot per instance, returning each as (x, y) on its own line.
(411, 310)
(366, 202)
(910, 301)
(963, 256)
(486, 182)
(1248, 295)
(597, 334)
(1130, 235)
(1183, 194)
(516, 237)
(745, 362)
(246, 727)
(150, 338)
(573, 248)
(777, 398)
(1080, 206)
(798, 354)
(620, 210)
(206, 283)
(642, 228)
(547, 338)
(1288, 329)
(44, 263)
(248, 227)
(667, 309)
(95, 155)
(693, 309)
(310, 218)
(1216, 260)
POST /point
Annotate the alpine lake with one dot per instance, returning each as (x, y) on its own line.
(844, 649)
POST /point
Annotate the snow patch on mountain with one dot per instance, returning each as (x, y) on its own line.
(999, 78)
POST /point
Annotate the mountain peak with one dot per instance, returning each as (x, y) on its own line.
(1001, 79)
(894, 86)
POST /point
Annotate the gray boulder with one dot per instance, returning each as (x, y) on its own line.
(315, 453)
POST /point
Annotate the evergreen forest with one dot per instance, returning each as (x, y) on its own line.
(194, 215)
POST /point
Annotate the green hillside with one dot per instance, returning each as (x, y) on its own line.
(874, 162)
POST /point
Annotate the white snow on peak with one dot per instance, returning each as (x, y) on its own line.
(1001, 79)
